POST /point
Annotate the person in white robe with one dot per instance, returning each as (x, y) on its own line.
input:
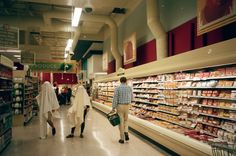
(78, 111)
(48, 103)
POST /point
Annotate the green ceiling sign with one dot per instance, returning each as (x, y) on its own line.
(51, 66)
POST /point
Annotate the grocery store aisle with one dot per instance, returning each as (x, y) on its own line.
(100, 139)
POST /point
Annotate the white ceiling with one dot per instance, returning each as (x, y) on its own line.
(51, 35)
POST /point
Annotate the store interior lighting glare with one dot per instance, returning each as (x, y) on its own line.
(17, 56)
(76, 17)
(69, 44)
(11, 51)
(65, 55)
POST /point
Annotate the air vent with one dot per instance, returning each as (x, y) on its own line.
(119, 10)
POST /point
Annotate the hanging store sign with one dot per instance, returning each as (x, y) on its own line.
(27, 57)
(9, 37)
(48, 66)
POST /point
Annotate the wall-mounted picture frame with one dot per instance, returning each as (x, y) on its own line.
(130, 50)
(213, 14)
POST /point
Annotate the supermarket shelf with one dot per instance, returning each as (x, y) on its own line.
(209, 124)
(141, 97)
(168, 88)
(214, 116)
(205, 132)
(28, 105)
(5, 78)
(146, 92)
(206, 97)
(146, 108)
(6, 90)
(207, 87)
(168, 104)
(167, 112)
(28, 93)
(31, 89)
(28, 99)
(105, 95)
(201, 105)
(5, 115)
(5, 104)
(145, 88)
(137, 83)
(155, 98)
(147, 102)
(179, 143)
(173, 122)
(207, 78)
(222, 77)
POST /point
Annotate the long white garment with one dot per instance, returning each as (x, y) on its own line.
(76, 111)
(47, 102)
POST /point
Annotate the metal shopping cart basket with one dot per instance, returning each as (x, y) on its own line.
(223, 149)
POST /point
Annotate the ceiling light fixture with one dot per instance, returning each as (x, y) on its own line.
(11, 51)
(65, 55)
(16, 55)
(69, 44)
(76, 17)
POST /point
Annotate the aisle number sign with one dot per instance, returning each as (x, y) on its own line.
(48, 66)
(9, 37)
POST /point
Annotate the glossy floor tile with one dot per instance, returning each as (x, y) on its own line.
(100, 139)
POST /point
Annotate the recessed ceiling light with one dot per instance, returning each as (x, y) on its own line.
(18, 58)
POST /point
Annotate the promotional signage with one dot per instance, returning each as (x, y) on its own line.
(9, 37)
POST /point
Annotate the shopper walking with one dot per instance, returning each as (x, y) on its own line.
(47, 101)
(78, 111)
(121, 101)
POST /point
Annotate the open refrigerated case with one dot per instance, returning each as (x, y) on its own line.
(184, 106)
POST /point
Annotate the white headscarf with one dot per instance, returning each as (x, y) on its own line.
(76, 111)
(47, 99)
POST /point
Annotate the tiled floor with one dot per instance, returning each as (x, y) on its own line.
(100, 139)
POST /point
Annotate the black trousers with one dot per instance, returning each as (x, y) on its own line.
(82, 125)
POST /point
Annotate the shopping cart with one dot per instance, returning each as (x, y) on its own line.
(223, 149)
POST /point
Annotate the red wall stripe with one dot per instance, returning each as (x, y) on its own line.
(46, 77)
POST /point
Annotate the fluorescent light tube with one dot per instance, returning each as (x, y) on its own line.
(11, 51)
(76, 17)
(69, 44)
(16, 55)
(66, 55)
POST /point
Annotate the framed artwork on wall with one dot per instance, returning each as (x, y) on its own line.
(129, 48)
(212, 14)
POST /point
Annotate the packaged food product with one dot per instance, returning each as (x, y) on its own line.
(229, 71)
(233, 94)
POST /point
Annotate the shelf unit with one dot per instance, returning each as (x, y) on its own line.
(31, 91)
(6, 88)
(185, 99)
(18, 96)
